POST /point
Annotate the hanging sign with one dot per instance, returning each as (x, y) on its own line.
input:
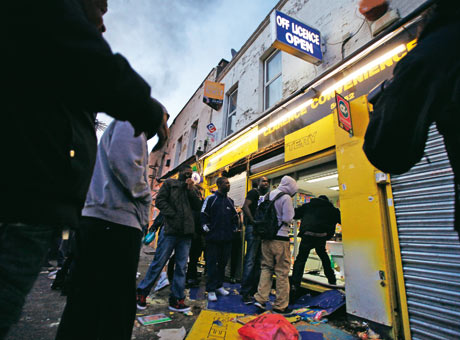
(213, 94)
(296, 38)
(344, 114)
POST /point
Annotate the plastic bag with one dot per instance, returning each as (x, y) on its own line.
(269, 327)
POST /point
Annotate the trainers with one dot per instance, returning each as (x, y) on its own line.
(284, 311)
(178, 305)
(248, 299)
(222, 291)
(260, 305)
(212, 296)
(141, 301)
(162, 282)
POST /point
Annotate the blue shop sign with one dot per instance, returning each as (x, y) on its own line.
(296, 38)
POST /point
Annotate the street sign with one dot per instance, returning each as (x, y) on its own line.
(344, 114)
(211, 127)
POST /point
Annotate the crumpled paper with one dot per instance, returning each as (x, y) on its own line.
(172, 333)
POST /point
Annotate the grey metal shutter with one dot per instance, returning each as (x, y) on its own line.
(238, 188)
(430, 250)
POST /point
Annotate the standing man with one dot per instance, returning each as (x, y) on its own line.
(251, 266)
(220, 220)
(117, 207)
(319, 218)
(276, 253)
(176, 200)
(60, 72)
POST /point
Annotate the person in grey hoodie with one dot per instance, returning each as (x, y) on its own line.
(101, 303)
(276, 253)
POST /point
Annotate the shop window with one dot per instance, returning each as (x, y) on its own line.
(230, 124)
(178, 151)
(272, 80)
(193, 135)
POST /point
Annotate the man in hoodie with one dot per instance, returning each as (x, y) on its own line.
(318, 220)
(55, 48)
(176, 200)
(220, 220)
(117, 207)
(276, 253)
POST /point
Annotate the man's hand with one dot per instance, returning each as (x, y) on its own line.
(163, 132)
(190, 184)
(206, 228)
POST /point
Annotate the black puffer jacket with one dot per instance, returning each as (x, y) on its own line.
(177, 204)
(319, 217)
(57, 70)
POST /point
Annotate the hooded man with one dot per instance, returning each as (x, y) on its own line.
(318, 220)
(176, 200)
(276, 253)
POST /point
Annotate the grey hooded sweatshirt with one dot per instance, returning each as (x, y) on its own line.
(119, 190)
(283, 205)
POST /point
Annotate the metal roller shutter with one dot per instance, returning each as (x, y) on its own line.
(430, 250)
(238, 188)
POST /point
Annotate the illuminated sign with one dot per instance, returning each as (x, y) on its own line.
(213, 94)
(296, 38)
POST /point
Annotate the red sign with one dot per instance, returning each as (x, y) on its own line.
(344, 113)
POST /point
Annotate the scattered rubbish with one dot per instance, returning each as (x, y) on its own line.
(293, 318)
(138, 274)
(153, 319)
(319, 315)
(189, 313)
(368, 333)
(140, 314)
(54, 324)
(172, 334)
(246, 318)
(269, 327)
(52, 275)
(206, 327)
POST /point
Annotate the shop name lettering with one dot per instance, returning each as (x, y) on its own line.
(302, 142)
(298, 36)
(326, 98)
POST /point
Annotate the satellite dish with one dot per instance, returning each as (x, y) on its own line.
(196, 178)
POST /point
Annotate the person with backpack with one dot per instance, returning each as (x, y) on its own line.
(318, 220)
(276, 253)
(219, 220)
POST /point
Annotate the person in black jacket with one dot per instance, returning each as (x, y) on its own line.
(219, 220)
(425, 88)
(318, 220)
(58, 71)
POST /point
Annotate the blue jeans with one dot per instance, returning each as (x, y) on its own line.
(166, 245)
(23, 247)
(251, 266)
(217, 255)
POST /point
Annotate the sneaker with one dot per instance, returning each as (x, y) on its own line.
(222, 291)
(178, 306)
(332, 282)
(212, 296)
(162, 282)
(141, 301)
(260, 305)
(248, 299)
(284, 311)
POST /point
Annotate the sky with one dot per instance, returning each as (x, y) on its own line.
(174, 44)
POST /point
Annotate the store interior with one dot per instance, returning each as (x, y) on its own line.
(315, 179)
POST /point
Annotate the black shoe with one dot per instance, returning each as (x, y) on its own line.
(284, 311)
(141, 300)
(260, 305)
(178, 305)
(332, 282)
(248, 299)
(293, 294)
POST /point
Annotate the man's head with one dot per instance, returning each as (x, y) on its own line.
(263, 185)
(185, 171)
(95, 10)
(223, 185)
(323, 197)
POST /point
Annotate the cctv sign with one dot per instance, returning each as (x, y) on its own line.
(296, 38)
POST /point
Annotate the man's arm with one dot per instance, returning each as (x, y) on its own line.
(162, 201)
(206, 213)
(287, 209)
(247, 211)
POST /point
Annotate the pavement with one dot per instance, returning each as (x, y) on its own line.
(43, 309)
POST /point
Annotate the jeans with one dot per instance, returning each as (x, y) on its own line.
(101, 302)
(166, 245)
(307, 244)
(251, 266)
(217, 255)
(23, 247)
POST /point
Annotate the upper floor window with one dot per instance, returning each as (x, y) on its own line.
(192, 143)
(272, 79)
(231, 113)
(178, 151)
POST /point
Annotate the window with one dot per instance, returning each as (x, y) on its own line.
(231, 113)
(272, 80)
(162, 162)
(178, 150)
(192, 143)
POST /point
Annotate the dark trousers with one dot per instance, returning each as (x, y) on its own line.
(217, 255)
(196, 249)
(251, 266)
(307, 244)
(101, 302)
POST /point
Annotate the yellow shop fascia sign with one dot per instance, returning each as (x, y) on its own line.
(312, 138)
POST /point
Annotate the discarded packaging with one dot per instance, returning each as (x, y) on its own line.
(153, 319)
(319, 315)
(172, 334)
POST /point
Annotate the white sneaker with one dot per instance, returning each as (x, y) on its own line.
(212, 297)
(222, 291)
(162, 282)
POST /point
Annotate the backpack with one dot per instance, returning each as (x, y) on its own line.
(265, 219)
